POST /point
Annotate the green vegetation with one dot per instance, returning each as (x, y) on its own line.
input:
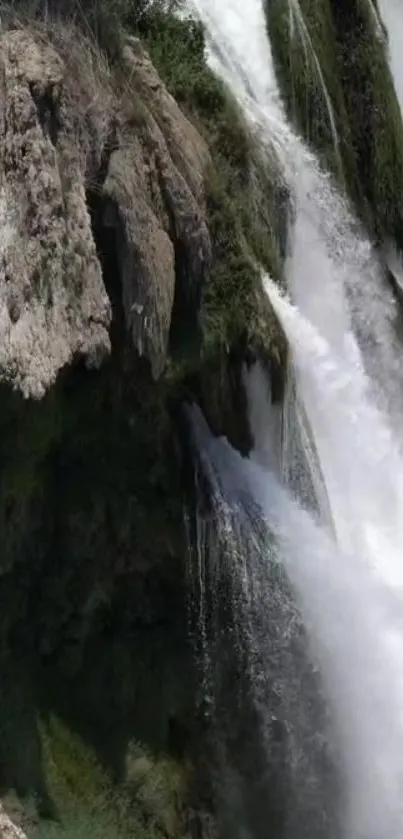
(245, 193)
(244, 187)
(304, 50)
(332, 66)
(87, 803)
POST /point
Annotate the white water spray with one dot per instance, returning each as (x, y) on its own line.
(356, 447)
(355, 630)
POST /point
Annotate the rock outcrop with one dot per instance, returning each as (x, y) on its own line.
(155, 186)
(8, 830)
(63, 136)
(53, 304)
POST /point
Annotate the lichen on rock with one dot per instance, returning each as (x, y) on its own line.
(53, 304)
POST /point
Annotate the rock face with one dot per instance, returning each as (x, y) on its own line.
(108, 216)
(155, 186)
(62, 136)
(53, 304)
(8, 830)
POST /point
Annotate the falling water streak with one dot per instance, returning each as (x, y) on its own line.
(275, 683)
(391, 12)
(201, 536)
(265, 419)
(310, 53)
(301, 468)
(283, 439)
(376, 18)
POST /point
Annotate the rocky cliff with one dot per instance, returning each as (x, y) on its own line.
(137, 209)
(69, 134)
(134, 222)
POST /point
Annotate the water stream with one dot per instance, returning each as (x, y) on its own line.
(321, 497)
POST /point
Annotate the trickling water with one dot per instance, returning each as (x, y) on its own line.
(342, 553)
(298, 26)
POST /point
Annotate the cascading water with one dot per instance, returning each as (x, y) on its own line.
(342, 553)
(355, 627)
(263, 695)
(327, 242)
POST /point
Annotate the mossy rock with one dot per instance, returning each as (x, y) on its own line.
(332, 64)
(246, 197)
(91, 495)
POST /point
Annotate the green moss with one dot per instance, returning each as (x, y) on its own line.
(375, 119)
(304, 51)
(244, 188)
(88, 804)
(331, 52)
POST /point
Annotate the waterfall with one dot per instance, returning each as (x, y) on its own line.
(309, 529)
(264, 700)
(355, 626)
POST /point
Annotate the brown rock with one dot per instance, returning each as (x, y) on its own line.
(8, 830)
(155, 184)
(67, 129)
(53, 304)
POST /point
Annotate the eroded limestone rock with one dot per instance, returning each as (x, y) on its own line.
(65, 132)
(8, 830)
(53, 304)
(155, 186)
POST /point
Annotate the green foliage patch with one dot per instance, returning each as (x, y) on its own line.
(89, 806)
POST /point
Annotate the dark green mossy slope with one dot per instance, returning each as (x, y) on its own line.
(246, 197)
(337, 48)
